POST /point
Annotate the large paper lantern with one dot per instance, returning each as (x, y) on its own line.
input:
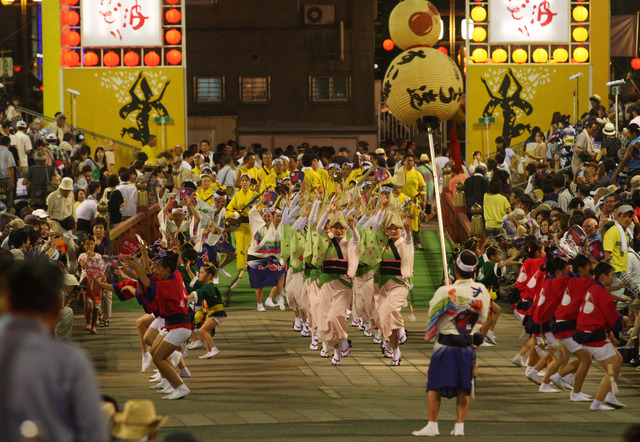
(152, 59)
(70, 58)
(173, 36)
(478, 34)
(70, 38)
(580, 34)
(444, 50)
(174, 56)
(422, 82)
(479, 55)
(580, 13)
(478, 13)
(90, 58)
(519, 56)
(111, 59)
(131, 58)
(635, 63)
(414, 23)
(581, 54)
(173, 15)
(173, 2)
(560, 55)
(499, 55)
(540, 55)
(70, 18)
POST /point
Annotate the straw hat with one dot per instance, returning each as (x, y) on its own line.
(399, 179)
(338, 218)
(108, 144)
(138, 420)
(392, 219)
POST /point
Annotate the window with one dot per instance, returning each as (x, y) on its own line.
(209, 89)
(325, 88)
(254, 89)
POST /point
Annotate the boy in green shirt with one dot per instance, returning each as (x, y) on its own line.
(209, 298)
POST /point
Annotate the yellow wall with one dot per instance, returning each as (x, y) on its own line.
(51, 56)
(546, 88)
(600, 35)
(105, 92)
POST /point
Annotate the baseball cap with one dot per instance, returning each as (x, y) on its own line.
(21, 124)
(40, 213)
(625, 208)
(51, 137)
(379, 151)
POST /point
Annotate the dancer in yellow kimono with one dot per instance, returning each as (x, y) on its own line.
(238, 211)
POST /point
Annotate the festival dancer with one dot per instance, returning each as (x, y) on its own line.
(168, 288)
(597, 317)
(238, 211)
(264, 264)
(208, 297)
(456, 314)
(337, 257)
(396, 269)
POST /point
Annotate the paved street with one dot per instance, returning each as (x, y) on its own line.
(265, 385)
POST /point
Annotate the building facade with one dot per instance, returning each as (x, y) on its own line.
(280, 72)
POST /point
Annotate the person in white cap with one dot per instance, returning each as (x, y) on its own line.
(23, 145)
(611, 143)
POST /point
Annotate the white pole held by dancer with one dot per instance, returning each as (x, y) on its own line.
(436, 186)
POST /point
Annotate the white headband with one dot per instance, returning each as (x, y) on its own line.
(465, 267)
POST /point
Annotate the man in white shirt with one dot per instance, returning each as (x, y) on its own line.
(205, 150)
(23, 145)
(129, 193)
(584, 143)
(227, 175)
(187, 161)
(87, 210)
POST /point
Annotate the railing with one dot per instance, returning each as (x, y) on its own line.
(390, 128)
(124, 152)
(144, 223)
(456, 224)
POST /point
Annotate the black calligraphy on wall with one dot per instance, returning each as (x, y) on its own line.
(140, 107)
(508, 103)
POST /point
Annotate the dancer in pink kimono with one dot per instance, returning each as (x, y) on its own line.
(396, 267)
(337, 258)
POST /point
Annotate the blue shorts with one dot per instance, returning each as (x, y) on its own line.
(225, 245)
(450, 368)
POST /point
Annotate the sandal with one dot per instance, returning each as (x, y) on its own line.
(104, 323)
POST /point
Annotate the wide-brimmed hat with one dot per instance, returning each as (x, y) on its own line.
(424, 158)
(595, 97)
(519, 216)
(137, 420)
(66, 184)
(609, 129)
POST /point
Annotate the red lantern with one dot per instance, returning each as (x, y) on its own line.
(443, 50)
(70, 18)
(152, 59)
(174, 56)
(173, 36)
(131, 58)
(111, 59)
(70, 38)
(388, 44)
(173, 15)
(90, 58)
(635, 63)
(173, 2)
(70, 58)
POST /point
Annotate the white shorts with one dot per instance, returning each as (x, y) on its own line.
(176, 336)
(601, 353)
(157, 323)
(550, 338)
(518, 315)
(571, 345)
(218, 319)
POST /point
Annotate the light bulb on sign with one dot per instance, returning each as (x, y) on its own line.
(466, 29)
